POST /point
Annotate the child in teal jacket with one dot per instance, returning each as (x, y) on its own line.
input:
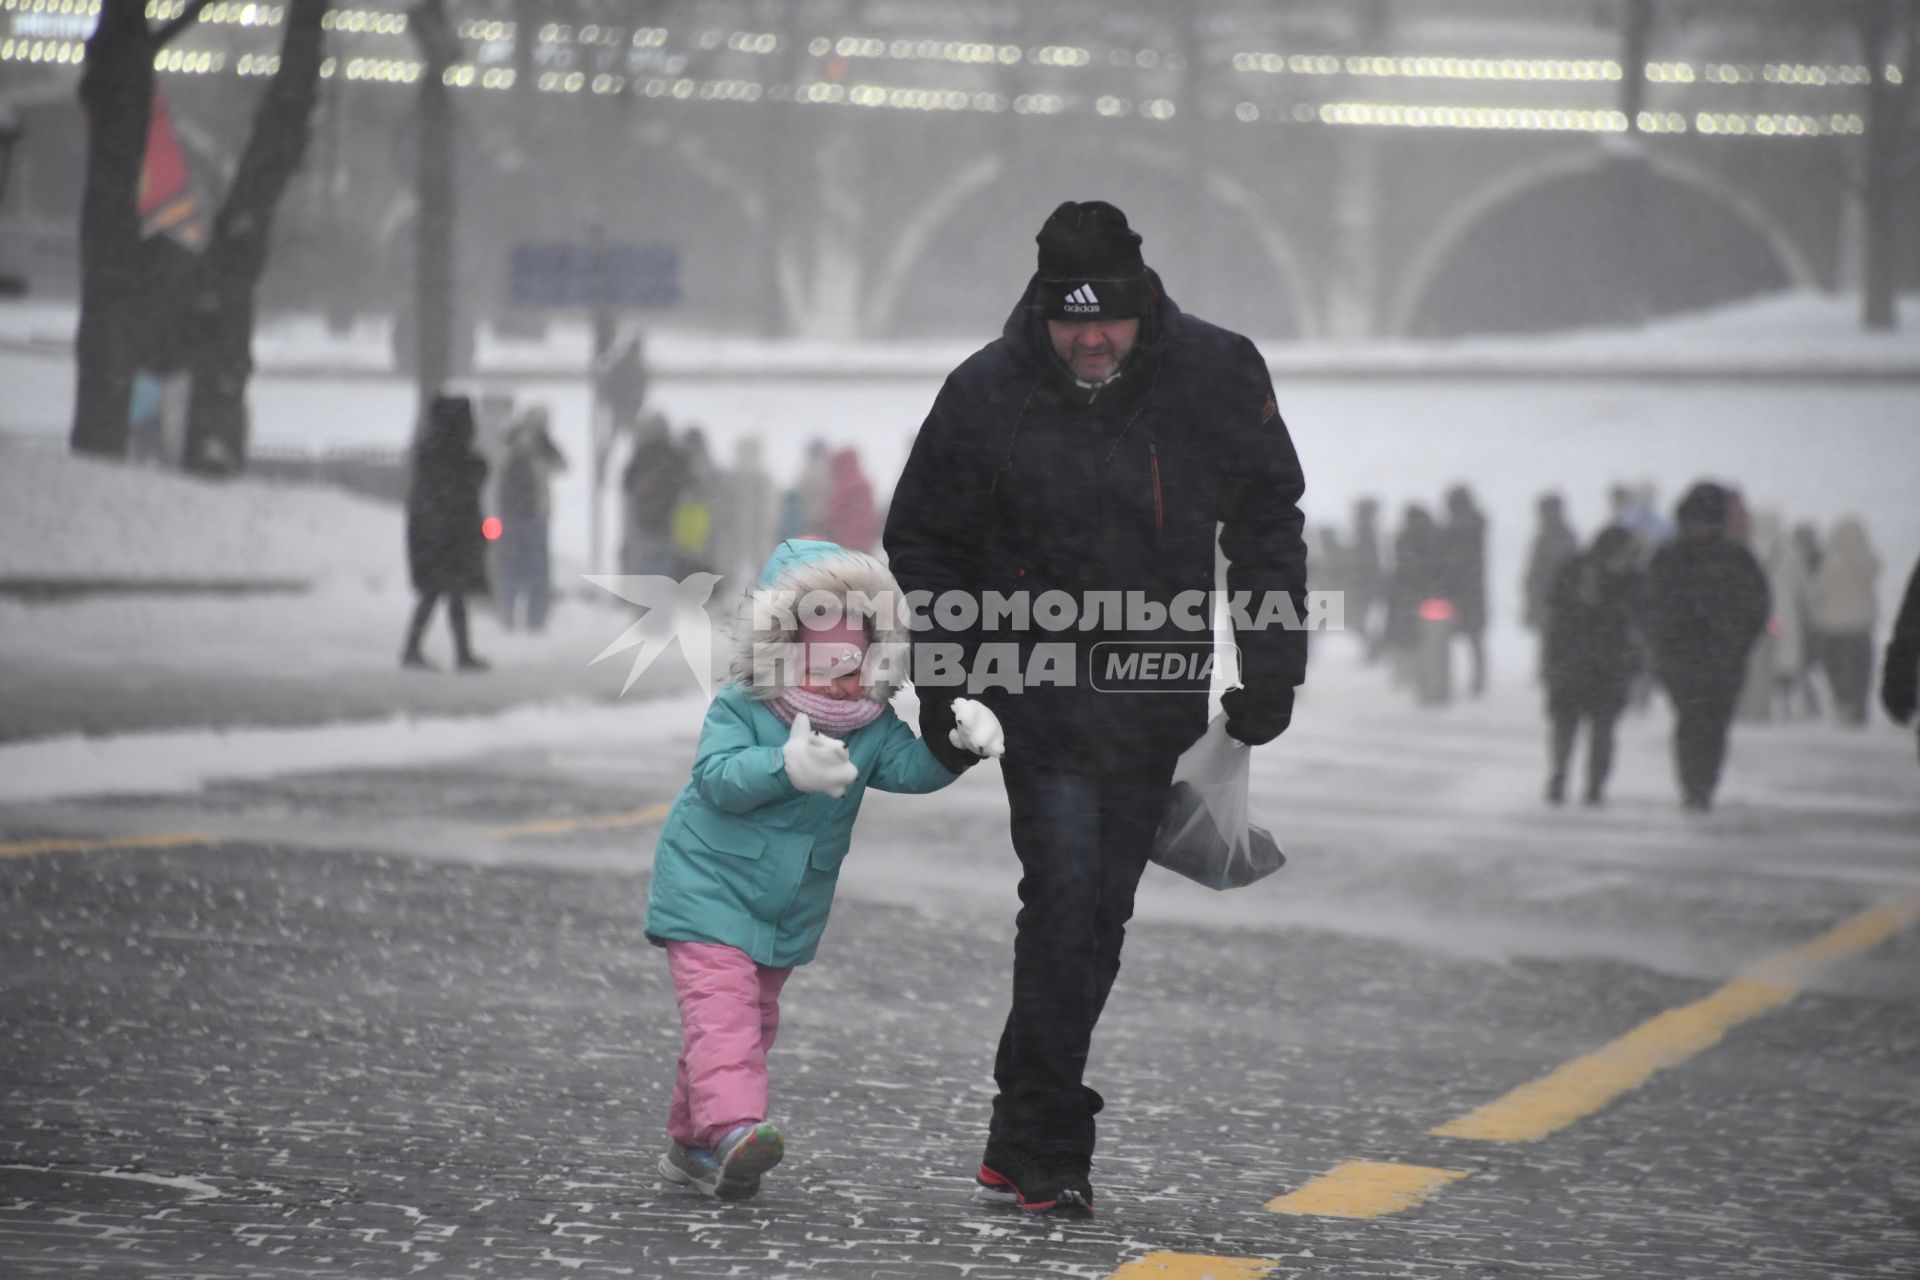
(750, 853)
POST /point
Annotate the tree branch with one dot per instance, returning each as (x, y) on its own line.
(276, 146)
(191, 15)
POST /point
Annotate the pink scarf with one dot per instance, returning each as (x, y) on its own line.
(828, 715)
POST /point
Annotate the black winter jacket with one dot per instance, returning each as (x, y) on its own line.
(446, 551)
(1707, 602)
(1592, 650)
(1022, 479)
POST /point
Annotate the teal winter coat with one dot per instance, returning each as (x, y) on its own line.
(747, 860)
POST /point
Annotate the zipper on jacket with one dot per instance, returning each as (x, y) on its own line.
(1159, 508)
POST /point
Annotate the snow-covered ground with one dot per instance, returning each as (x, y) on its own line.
(62, 516)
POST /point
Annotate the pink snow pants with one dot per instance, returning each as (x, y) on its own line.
(729, 1013)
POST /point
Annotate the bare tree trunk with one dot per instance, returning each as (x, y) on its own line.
(116, 91)
(433, 216)
(222, 307)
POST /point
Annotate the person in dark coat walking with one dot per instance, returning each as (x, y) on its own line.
(1590, 652)
(1416, 578)
(1900, 668)
(1093, 450)
(446, 551)
(1554, 545)
(1366, 583)
(1707, 604)
(654, 482)
(1463, 569)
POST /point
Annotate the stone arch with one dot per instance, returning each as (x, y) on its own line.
(986, 214)
(916, 235)
(1771, 251)
(1279, 251)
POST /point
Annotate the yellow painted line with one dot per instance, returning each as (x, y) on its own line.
(601, 822)
(1585, 1085)
(1365, 1189)
(94, 844)
(1193, 1266)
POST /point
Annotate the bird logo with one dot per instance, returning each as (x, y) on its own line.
(675, 613)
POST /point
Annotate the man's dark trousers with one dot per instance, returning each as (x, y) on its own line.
(1083, 841)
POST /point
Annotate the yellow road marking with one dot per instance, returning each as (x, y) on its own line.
(1365, 1189)
(91, 844)
(1193, 1266)
(601, 822)
(1586, 1084)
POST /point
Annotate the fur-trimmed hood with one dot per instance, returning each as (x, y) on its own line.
(797, 568)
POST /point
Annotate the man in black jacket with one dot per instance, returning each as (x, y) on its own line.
(1092, 454)
(1707, 603)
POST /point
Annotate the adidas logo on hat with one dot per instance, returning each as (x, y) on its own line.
(1081, 301)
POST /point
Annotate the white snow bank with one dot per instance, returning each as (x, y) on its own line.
(1777, 333)
(1785, 333)
(64, 516)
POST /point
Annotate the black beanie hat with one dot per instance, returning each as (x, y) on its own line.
(1090, 265)
(1706, 506)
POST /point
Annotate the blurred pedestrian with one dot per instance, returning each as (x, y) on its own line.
(693, 513)
(1788, 636)
(1330, 559)
(1366, 584)
(446, 550)
(623, 381)
(655, 477)
(1707, 603)
(805, 503)
(1900, 668)
(1590, 652)
(1418, 576)
(1554, 545)
(524, 503)
(1806, 540)
(851, 520)
(1463, 570)
(1757, 689)
(1633, 508)
(790, 746)
(1845, 605)
(743, 515)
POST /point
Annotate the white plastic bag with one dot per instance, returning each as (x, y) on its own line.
(1205, 834)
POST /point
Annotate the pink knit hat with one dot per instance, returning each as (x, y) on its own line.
(835, 648)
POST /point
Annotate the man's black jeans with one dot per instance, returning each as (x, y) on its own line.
(1083, 842)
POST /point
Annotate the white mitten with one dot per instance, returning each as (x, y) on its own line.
(976, 729)
(816, 762)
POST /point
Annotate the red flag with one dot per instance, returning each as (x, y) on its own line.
(167, 203)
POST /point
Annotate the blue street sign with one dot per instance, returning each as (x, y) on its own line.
(578, 275)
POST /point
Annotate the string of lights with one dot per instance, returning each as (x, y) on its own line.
(69, 20)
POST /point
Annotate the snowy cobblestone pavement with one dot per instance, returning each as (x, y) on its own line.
(358, 1036)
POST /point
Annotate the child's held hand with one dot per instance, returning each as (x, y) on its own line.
(816, 762)
(976, 729)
